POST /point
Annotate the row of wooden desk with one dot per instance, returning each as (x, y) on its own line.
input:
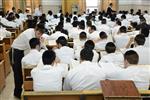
(5, 46)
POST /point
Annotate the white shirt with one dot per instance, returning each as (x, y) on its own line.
(115, 58)
(115, 30)
(74, 33)
(94, 35)
(49, 17)
(47, 78)
(144, 54)
(68, 26)
(100, 45)
(104, 28)
(22, 41)
(140, 75)
(57, 34)
(147, 42)
(12, 24)
(125, 23)
(32, 58)
(121, 40)
(65, 54)
(86, 76)
(37, 12)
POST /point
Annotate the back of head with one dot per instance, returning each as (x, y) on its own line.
(86, 54)
(34, 42)
(89, 45)
(68, 20)
(132, 57)
(48, 57)
(103, 35)
(123, 16)
(93, 28)
(140, 39)
(123, 29)
(89, 23)
(82, 36)
(75, 24)
(62, 41)
(40, 28)
(104, 21)
(145, 31)
(110, 47)
(118, 22)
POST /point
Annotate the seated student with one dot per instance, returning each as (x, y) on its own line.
(101, 43)
(140, 75)
(89, 44)
(142, 51)
(79, 43)
(124, 21)
(64, 53)
(116, 28)
(34, 56)
(86, 76)
(73, 33)
(49, 76)
(58, 33)
(94, 35)
(121, 39)
(68, 25)
(104, 27)
(145, 32)
(112, 56)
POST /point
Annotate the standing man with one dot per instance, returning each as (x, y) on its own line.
(21, 44)
(38, 11)
(109, 9)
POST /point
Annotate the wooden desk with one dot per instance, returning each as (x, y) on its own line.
(2, 75)
(119, 90)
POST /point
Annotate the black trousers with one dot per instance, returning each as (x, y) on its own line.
(15, 58)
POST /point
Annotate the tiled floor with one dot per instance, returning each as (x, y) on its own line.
(7, 92)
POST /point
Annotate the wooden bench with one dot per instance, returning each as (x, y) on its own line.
(2, 75)
(72, 95)
(4, 55)
(15, 32)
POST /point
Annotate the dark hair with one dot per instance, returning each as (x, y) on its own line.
(118, 22)
(58, 28)
(132, 57)
(62, 40)
(34, 42)
(50, 12)
(89, 23)
(123, 16)
(86, 54)
(75, 24)
(145, 31)
(102, 35)
(40, 28)
(140, 39)
(93, 27)
(123, 29)
(82, 35)
(48, 57)
(89, 44)
(68, 20)
(103, 21)
(110, 47)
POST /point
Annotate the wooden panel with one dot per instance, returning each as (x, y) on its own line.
(105, 4)
(7, 63)
(2, 75)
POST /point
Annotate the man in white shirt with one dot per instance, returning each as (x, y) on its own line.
(48, 77)
(73, 33)
(68, 25)
(124, 21)
(38, 11)
(112, 56)
(58, 33)
(19, 45)
(64, 53)
(140, 75)
(142, 51)
(104, 27)
(94, 35)
(34, 52)
(86, 76)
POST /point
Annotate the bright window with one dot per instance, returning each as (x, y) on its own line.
(91, 5)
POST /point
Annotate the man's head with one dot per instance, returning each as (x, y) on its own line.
(86, 54)
(61, 41)
(103, 35)
(39, 30)
(130, 58)
(123, 29)
(110, 47)
(34, 43)
(48, 57)
(89, 45)
(139, 39)
(92, 29)
(82, 36)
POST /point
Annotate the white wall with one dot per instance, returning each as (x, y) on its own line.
(53, 5)
(134, 4)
